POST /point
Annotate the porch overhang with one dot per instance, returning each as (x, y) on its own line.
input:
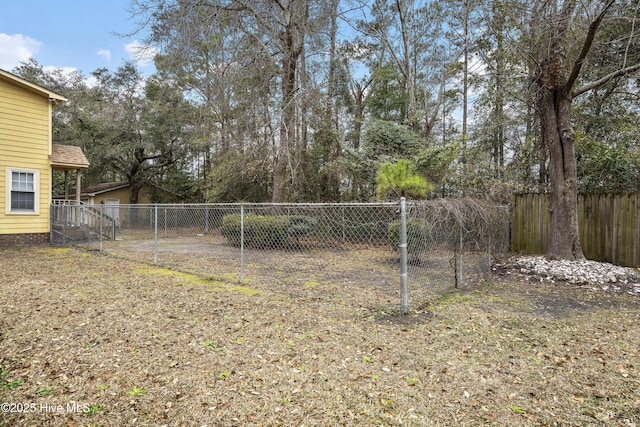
(67, 157)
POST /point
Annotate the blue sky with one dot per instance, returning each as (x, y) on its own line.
(69, 34)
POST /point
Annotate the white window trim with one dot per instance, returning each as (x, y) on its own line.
(36, 183)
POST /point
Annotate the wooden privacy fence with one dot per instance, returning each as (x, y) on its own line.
(609, 226)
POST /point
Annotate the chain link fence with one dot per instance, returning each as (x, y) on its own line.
(304, 246)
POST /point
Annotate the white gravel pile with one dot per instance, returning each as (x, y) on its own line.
(598, 275)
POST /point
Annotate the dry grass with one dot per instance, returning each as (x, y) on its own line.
(132, 344)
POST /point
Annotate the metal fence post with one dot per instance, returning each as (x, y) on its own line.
(113, 228)
(65, 214)
(206, 220)
(241, 243)
(155, 239)
(101, 225)
(51, 216)
(166, 214)
(460, 277)
(404, 291)
(344, 232)
(489, 252)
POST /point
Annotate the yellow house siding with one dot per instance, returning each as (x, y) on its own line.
(121, 194)
(23, 113)
(25, 144)
(144, 197)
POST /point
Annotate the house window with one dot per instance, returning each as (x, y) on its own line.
(23, 191)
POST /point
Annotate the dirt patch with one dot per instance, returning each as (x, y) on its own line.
(87, 339)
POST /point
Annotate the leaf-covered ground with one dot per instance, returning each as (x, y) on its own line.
(87, 339)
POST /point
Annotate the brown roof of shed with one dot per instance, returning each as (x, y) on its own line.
(68, 157)
(92, 190)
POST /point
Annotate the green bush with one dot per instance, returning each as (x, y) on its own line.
(266, 231)
(418, 235)
(231, 228)
(302, 225)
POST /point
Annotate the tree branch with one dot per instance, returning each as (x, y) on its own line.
(586, 46)
(605, 79)
(633, 29)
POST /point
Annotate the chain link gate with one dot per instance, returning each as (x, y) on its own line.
(395, 249)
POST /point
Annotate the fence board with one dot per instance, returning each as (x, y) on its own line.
(609, 226)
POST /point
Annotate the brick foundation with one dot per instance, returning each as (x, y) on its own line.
(26, 239)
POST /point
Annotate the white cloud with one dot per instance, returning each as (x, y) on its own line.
(141, 53)
(105, 53)
(16, 48)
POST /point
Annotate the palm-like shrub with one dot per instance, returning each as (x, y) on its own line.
(400, 180)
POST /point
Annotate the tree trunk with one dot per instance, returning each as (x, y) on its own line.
(555, 83)
(358, 121)
(292, 41)
(555, 110)
(499, 108)
(287, 119)
(134, 193)
(465, 81)
(554, 86)
(403, 8)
